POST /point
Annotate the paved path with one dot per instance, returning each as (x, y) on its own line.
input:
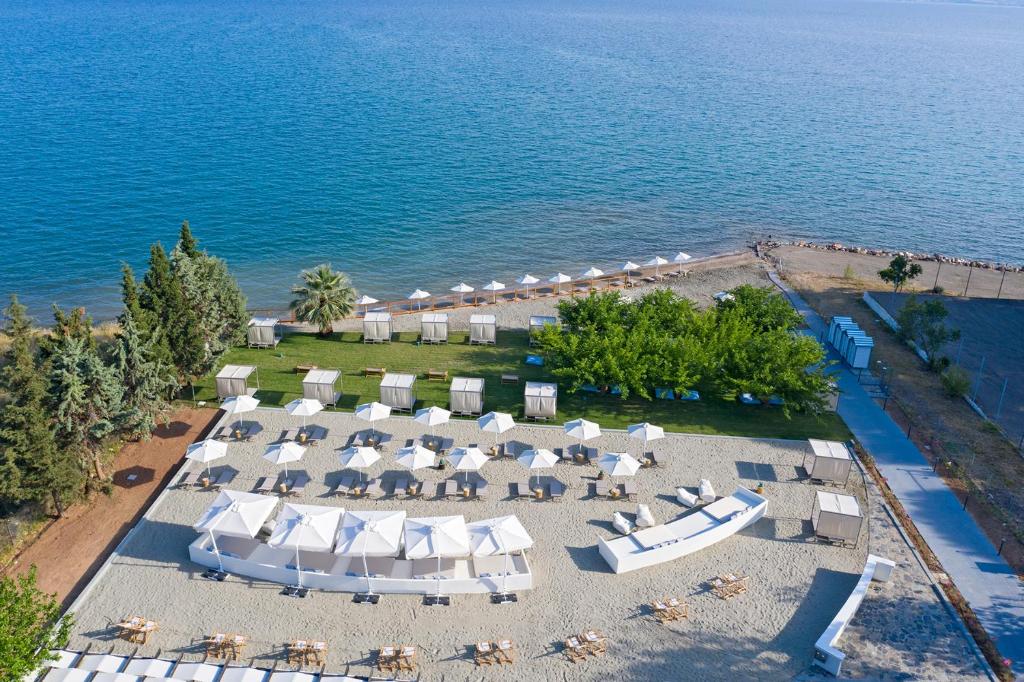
(984, 578)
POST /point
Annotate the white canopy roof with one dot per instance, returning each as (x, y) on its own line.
(67, 675)
(629, 266)
(538, 459)
(239, 674)
(618, 464)
(236, 513)
(493, 286)
(495, 422)
(321, 376)
(541, 320)
(473, 384)
(371, 412)
(397, 380)
(196, 672)
(235, 371)
(377, 317)
(467, 459)
(263, 321)
(418, 294)
(461, 288)
(239, 404)
(370, 533)
(366, 300)
(283, 453)
(358, 457)
(541, 389)
(435, 317)
(527, 279)
(581, 429)
(481, 319)
(415, 457)
(838, 504)
(306, 527)
(681, 257)
(645, 432)
(559, 278)
(657, 260)
(304, 407)
(829, 448)
(206, 450)
(436, 536)
(591, 273)
(432, 416)
(149, 667)
(497, 536)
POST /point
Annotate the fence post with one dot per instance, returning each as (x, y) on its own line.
(959, 347)
(1001, 280)
(935, 286)
(969, 273)
(1002, 394)
(977, 383)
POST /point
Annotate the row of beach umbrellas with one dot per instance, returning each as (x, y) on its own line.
(529, 280)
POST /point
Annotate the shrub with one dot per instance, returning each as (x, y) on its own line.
(848, 273)
(956, 382)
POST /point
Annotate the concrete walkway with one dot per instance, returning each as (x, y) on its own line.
(984, 578)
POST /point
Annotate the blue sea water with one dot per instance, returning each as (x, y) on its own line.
(416, 143)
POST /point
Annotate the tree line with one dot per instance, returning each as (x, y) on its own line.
(68, 396)
(748, 343)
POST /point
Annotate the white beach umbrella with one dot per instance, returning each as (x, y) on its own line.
(558, 280)
(237, 514)
(283, 453)
(591, 273)
(415, 457)
(462, 289)
(418, 295)
(304, 407)
(657, 262)
(358, 458)
(501, 535)
(370, 533)
(527, 280)
(681, 258)
(582, 430)
(205, 451)
(436, 536)
(628, 267)
(537, 459)
(495, 287)
(432, 416)
(240, 404)
(372, 412)
(645, 432)
(467, 459)
(305, 527)
(496, 423)
(366, 301)
(618, 464)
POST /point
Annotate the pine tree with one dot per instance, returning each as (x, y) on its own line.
(74, 324)
(130, 299)
(150, 331)
(45, 473)
(143, 380)
(156, 284)
(214, 296)
(186, 242)
(163, 298)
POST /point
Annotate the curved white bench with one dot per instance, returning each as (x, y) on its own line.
(826, 655)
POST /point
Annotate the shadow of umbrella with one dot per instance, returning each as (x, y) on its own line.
(133, 476)
(172, 430)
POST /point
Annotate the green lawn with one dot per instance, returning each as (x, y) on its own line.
(279, 384)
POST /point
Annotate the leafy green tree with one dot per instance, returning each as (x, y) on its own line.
(765, 309)
(145, 383)
(33, 466)
(924, 323)
(323, 297)
(30, 626)
(899, 272)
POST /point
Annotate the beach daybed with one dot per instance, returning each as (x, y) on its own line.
(320, 384)
(836, 518)
(466, 396)
(398, 391)
(688, 534)
(233, 380)
(482, 329)
(262, 332)
(826, 655)
(537, 324)
(434, 328)
(541, 400)
(377, 328)
(828, 461)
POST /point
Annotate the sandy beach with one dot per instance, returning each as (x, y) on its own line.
(796, 586)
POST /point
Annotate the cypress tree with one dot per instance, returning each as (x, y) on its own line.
(150, 331)
(163, 297)
(186, 242)
(156, 283)
(143, 380)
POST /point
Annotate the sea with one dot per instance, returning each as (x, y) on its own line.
(417, 143)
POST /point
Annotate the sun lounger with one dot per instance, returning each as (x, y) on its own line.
(622, 524)
(265, 485)
(481, 489)
(629, 490)
(222, 433)
(484, 654)
(590, 454)
(522, 490)
(437, 375)
(650, 460)
(595, 642)
(506, 651)
(190, 479)
(375, 371)
(407, 658)
(342, 487)
(387, 658)
(563, 454)
(686, 498)
(290, 434)
(373, 489)
(603, 487)
(299, 486)
(451, 488)
(225, 478)
(556, 490)
(706, 492)
(401, 486)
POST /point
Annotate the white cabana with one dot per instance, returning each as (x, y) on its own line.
(541, 400)
(305, 528)
(467, 459)
(418, 296)
(240, 404)
(526, 280)
(370, 534)
(373, 413)
(537, 324)
(432, 416)
(462, 289)
(618, 464)
(283, 453)
(321, 384)
(645, 432)
(377, 327)
(482, 329)
(304, 407)
(681, 258)
(205, 451)
(415, 457)
(262, 332)
(398, 391)
(466, 396)
(499, 536)
(657, 262)
(534, 460)
(233, 380)
(582, 430)
(434, 328)
(836, 517)
(359, 458)
(236, 514)
(628, 268)
(437, 537)
(828, 461)
(494, 287)
(496, 423)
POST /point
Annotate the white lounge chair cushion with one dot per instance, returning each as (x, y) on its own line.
(686, 498)
(707, 493)
(644, 517)
(621, 523)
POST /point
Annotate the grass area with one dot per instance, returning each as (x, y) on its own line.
(279, 384)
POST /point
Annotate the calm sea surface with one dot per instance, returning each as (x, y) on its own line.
(419, 143)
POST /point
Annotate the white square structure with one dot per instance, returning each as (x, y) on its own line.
(321, 384)
(482, 329)
(262, 332)
(466, 396)
(537, 324)
(398, 391)
(233, 380)
(377, 328)
(541, 400)
(836, 517)
(828, 461)
(434, 328)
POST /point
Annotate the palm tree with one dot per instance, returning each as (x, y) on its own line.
(325, 296)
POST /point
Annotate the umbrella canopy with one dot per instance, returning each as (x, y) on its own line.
(657, 262)
(436, 536)
(366, 300)
(370, 533)
(495, 422)
(283, 453)
(494, 287)
(432, 416)
(537, 459)
(462, 289)
(491, 537)
(629, 266)
(527, 279)
(415, 457)
(240, 404)
(618, 464)
(358, 457)
(681, 257)
(591, 273)
(306, 527)
(205, 451)
(304, 407)
(558, 280)
(581, 429)
(467, 459)
(371, 412)
(237, 514)
(645, 432)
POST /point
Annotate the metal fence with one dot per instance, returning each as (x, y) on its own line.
(999, 395)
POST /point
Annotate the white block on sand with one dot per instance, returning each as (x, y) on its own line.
(621, 523)
(644, 517)
(686, 498)
(707, 493)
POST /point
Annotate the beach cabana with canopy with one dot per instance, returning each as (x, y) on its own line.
(359, 458)
(370, 534)
(499, 536)
(373, 413)
(233, 380)
(415, 457)
(483, 329)
(618, 464)
(496, 423)
(205, 451)
(645, 432)
(305, 528)
(262, 332)
(283, 453)
(304, 407)
(467, 459)
(377, 327)
(238, 405)
(494, 287)
(466, 395)
(462, 289)
(541, 400)
(440, 537)
(535, 460)
(434, 328)
(236, 514)
(321, 385)
(537, 324)
(398, 391)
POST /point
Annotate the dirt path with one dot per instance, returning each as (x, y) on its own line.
(71, 550)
